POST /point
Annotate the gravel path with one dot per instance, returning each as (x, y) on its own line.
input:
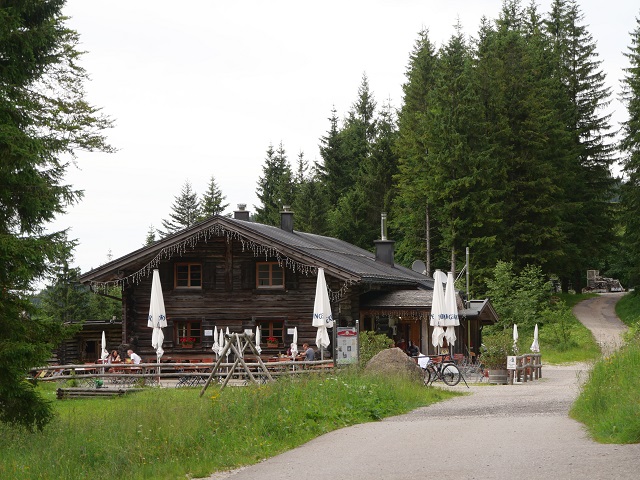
(496, 432)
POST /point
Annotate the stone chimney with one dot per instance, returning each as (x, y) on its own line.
(241, 213)
(384, 247)
(286, 219)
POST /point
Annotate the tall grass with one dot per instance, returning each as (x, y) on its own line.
(608, 403)
(170, 433)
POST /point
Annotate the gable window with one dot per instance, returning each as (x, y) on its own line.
(269, 275)
(187, 333)
(188, 275)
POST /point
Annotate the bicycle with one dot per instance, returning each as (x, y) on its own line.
(445, 370)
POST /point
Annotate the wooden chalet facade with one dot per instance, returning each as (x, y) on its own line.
(235, 273)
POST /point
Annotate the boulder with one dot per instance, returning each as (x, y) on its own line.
(394, 362)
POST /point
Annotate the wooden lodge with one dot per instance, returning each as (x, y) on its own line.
(234, 273)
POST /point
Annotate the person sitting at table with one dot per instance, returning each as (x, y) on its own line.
(135, 358)
(309, 352)
(114, 357)
(413, 349)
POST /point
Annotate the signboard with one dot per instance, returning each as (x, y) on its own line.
(346, 345)
(290, 331)
(208, 333)
(511, 362)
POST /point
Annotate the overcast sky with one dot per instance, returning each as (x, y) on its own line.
(200, 88)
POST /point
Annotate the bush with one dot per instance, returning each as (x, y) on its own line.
(495, 349)
(372, 343)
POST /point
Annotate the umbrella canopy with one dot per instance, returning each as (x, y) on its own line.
(294, 343)
(515, 338)
(322, 317)
(258, 348)
(216, 346)
(437, 309)
(104, 352)
(451, 320)
(157, 314)
(535, 346)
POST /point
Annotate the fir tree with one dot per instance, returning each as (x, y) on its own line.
(211, 203)
(631, 162)
(588, 227)
(275, 187)
(44, 120)
(185, 211)
(151, 235)
(410, 204)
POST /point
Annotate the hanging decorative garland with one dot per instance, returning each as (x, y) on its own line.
(189, 243)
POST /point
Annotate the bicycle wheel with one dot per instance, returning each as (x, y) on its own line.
(451, 375)
(429, 375)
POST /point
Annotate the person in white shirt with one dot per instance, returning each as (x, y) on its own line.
(135, 358)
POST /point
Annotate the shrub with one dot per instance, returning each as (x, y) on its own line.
(495, 349)
(372, 343)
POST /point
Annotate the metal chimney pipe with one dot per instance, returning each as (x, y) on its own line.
(383, 226)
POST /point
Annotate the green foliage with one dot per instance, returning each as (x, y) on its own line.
(608, 402)
(193, 436)
(44, 120)
(495, 348)
(372, 343)
(185, 211)
(558, 324)
(628, 310)
(630, 147)
(211, 202)
(275, 187)
(518, 298)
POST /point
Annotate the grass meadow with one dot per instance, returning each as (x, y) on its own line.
(608, 402)
(172, 433)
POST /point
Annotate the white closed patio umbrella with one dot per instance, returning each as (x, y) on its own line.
(515, 338)
(258, 339)
(157, 315)
(451, 320)
(294, 343)
(437, 309)
(535, 346)
(104, 354)
(322, 316)
(216, 346)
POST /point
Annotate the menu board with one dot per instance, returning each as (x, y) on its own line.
(346, 345)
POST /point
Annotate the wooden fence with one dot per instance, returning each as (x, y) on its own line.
(528, 368)
(186, 374)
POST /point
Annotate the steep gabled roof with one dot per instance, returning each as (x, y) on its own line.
(339, 259)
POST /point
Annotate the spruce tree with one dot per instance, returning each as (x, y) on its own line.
(44, 120)
(185, 211)
(275, 187)
(409, 208)
(630, 146)
(211, 203)
(520, 121)
(589, 227)
(457, 183)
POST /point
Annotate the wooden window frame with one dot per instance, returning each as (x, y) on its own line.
(189, 278)
(272, 328)
(270, 285)
(189, 329)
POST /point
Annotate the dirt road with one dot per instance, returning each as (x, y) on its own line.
(497, 432)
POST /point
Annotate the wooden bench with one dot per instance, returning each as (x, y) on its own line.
(63, 393)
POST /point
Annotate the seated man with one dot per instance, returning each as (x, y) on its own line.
(135, 358)
(309, 353)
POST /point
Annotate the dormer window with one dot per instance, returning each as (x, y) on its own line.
(269, 275)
